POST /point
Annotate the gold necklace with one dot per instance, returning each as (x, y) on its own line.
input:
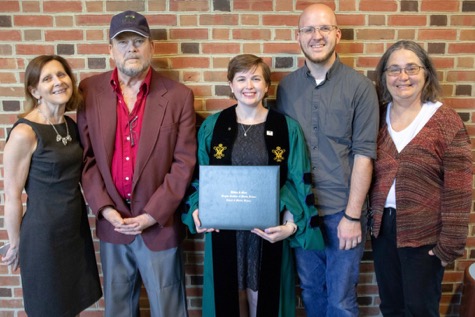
(59, 137)
(246, 130)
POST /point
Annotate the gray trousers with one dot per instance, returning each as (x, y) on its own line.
(126, 266)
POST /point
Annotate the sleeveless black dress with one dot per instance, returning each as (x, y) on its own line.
(57, 261)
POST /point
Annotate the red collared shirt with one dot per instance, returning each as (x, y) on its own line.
(127, 135)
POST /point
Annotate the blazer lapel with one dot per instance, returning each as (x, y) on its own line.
(153, 119)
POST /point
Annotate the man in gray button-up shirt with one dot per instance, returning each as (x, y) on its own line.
(338, 111)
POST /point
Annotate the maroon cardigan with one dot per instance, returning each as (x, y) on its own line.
(433, 185)
(165, 159)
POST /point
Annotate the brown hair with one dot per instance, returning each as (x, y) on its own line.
(248, 62)
(32, 78)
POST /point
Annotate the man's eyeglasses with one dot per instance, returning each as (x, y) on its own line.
(323, 29)
(132, 124)
(410, 70)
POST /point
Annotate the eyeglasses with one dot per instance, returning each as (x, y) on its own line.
(323, 29)
(410, 70)
(132, 124)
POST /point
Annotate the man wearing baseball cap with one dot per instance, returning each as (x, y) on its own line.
(138, 132)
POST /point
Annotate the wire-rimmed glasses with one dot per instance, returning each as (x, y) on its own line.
(322, 29)
(410, 70)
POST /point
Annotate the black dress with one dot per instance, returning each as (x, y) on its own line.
(249, 149)
(57, 261)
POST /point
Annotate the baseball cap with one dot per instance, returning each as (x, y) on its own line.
(129, 21)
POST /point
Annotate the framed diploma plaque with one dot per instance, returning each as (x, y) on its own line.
(239, 197)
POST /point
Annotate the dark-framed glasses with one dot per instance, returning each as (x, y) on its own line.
(323, 29)
(410, 70)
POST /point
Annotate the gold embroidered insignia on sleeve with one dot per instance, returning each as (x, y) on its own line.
(279, 154)
(219, 151)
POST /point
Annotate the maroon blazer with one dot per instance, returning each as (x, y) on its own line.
(165, 160)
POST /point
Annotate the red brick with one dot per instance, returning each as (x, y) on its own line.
(33, 20)
(301, 5)
(285, 34)
(458, 76)
(461, 48)
(465, 62)
(407, 34)
(62, 6)
(462, 104)
(165, 48)
(96, 35)
(30, 6)
(96, 20)
(440, 6)
(196, 34)
(252, 48)
(351, 19)
(102, 48)
(251, 34)
(281, 20)
(221, 34)
(467, 35)
(189, 62)
(201, 90)
(252, 5)
(10, 6)
(283, 5)
(249, 19)
(443, 62)
(94, 6)
(378, 5)
(157, 5)
(292, 48)
(167, 20)
(67, 35)
(220, 48)
(33, 49)
(370, 34)
(192, 76)
(405, 20)
(63, 21)
(462, 20)
(7, 78)
(117, 5)
(186, 5)
(220, 19)
(9, 35)
(189, 20)
(350, 48)
(437, 34)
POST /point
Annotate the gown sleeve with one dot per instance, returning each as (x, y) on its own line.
(296, 192)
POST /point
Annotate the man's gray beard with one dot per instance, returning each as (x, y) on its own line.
(132, 72)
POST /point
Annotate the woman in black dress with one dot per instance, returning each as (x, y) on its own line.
(51, 241)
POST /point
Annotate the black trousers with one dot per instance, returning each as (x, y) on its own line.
(409, 279)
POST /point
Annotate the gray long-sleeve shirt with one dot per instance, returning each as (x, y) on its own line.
(340, 119)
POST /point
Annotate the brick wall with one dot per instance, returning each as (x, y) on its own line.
(195, 40)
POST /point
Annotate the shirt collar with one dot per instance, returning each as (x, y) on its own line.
(145, 87)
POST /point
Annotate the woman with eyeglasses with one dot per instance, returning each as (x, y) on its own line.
(422, 188)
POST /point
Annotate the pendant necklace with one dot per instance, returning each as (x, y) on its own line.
(246, 130)
(59, 137)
